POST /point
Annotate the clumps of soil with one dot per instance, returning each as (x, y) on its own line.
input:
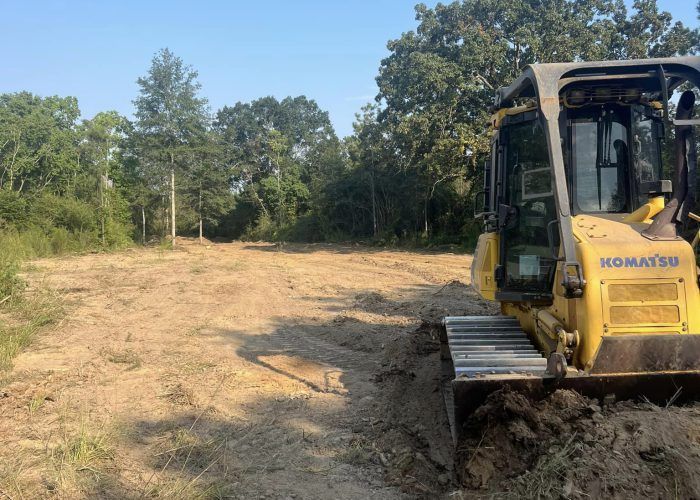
(455, 298)
(412, 434)
(568, 446)
(369, 300)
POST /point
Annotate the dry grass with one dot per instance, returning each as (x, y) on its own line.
(70, 465)
(20, 321)
(126, 357)
(198, 269)
(186, 489)
(358, 452)
(196, 330)
(185, 461)
(181, 395)
(14, 478)
(547, 477)
(195, 367)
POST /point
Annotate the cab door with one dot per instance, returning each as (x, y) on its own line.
(527, 213)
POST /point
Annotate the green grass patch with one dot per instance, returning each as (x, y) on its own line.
(22, 316)
(81, 459)
(84, 451)
(19, 326)
(20, 319)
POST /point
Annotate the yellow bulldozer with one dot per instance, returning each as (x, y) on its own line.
(586, 245)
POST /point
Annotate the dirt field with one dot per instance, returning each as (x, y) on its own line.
(241, 370)
(257, 371)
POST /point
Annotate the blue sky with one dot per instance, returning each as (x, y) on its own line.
(328, 50)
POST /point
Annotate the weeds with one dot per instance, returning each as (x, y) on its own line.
(35, 403)
(126, 357)
(183, 488)
(84, 451)
(187, 450)
(196, 330)
(23, 319)
(165, 244)
(194, 367)
(235, 266)
(545, 479)
(181, 396)
(11, 285)
(13, 480)
(87, 450)
(358, 452)
(197, 269)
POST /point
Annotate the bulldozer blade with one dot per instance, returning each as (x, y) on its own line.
(661, 388)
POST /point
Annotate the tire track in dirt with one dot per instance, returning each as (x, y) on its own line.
(326, 352)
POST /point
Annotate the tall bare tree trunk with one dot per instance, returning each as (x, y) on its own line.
(201, 229)
(279, 195)
(374, 204)
(172, 200)
(425, 215)
(102, 208)
(165, 217)
(143, 225)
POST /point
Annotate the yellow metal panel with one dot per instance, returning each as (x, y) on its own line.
(661, 309)
(644, 315)
(484, 265)
(634, 286)
(640, 292)
(622, 268)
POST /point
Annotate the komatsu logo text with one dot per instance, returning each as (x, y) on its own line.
(652, 261)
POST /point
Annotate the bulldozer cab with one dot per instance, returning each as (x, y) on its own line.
(570, 139)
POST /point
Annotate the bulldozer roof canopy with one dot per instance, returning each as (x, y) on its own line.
(545, 81)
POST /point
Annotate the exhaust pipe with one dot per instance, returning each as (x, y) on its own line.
(666, 225)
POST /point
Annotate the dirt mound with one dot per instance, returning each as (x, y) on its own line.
(369, 299)
(413, 432)
(568, 446)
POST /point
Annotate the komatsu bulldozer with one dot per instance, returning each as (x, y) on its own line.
(586, 244)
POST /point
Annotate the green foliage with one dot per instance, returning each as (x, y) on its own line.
(38, 144)
(275, 169)
(416, 157)
(261, 229)
(285, 154)
(170, 128)
(49, 211)
(13, 208)
(10, 284)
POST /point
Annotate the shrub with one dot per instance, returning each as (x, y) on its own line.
(10, 284)
(262, 229)
(13, 209)
(48, 210)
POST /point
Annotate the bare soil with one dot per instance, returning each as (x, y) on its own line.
(237, 370)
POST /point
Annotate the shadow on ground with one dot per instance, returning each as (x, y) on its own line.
(358, 412)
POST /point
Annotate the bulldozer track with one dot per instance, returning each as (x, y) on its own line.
(490, 345)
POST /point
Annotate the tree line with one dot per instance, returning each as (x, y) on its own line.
(275, 169)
